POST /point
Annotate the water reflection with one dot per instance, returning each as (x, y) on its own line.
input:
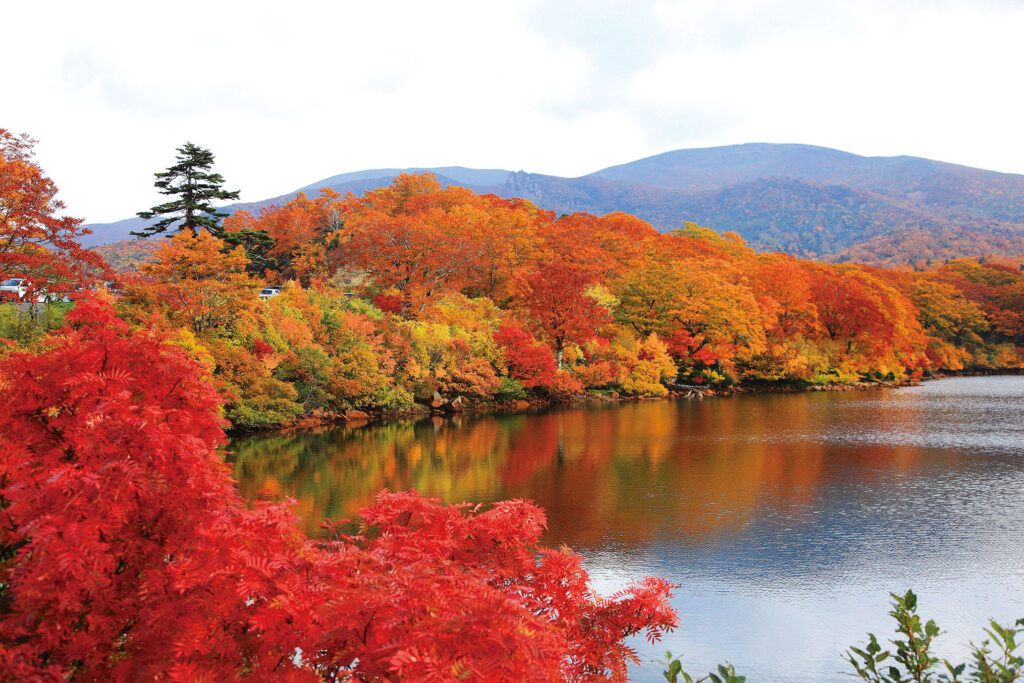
(629, 474)
(787, 518)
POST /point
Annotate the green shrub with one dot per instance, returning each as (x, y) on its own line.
(510, 390)
(910, 660)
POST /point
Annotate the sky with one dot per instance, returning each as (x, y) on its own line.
(288, 93)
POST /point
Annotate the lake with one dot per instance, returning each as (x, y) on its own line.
(786, 518)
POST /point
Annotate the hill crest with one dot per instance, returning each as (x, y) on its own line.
(815, 202)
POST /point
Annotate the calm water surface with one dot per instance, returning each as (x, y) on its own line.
(786, 518)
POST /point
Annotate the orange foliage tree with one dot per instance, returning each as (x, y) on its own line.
(35, 243)
(414, 236)
(868, 318)
(288, 240)
(200, 285)
(554, 295)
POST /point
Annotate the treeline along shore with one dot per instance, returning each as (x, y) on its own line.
(415, 297)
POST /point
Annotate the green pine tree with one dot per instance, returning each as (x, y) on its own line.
(195, 187)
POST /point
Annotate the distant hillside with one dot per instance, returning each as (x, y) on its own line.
(127, 255)
(921, 182)
(811, 201)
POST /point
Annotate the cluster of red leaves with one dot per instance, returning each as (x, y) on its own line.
(261, 349)
(388, 303)
(529, 361)
(555, 297)
(682, 344)
(126, 552)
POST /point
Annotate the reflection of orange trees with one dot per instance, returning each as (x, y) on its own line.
(333, 473)
(670, 471)
(630, 474)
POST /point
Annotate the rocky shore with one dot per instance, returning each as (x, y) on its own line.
(440, 406)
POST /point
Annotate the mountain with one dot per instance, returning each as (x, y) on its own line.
(920, 182)
(811, 201)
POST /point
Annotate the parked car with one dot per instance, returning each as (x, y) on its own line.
(268, 292)
(50, 297)
(15, 288)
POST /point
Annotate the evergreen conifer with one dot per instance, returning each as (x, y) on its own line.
(194, 187)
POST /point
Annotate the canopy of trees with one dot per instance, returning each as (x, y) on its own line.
(414, 289)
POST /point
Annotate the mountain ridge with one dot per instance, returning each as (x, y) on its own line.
(815, 202)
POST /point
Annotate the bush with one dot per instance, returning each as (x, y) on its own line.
(510, 390)
(529, 362)
(308, 369)
(26, 324)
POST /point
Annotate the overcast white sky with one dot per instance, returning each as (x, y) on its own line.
(287, 93)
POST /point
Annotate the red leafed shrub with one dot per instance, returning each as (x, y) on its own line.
(530, 362)
(447, 590)
(388, 303)
(126, 552)
(681, 344)
(261, 348)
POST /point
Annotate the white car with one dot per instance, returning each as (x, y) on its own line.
(268, 292)
(14, 288)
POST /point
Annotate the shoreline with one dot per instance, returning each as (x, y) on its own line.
(458, 406)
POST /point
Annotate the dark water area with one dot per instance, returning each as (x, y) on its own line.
(787, 518)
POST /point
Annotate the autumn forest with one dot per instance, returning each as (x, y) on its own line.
(414, 289)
